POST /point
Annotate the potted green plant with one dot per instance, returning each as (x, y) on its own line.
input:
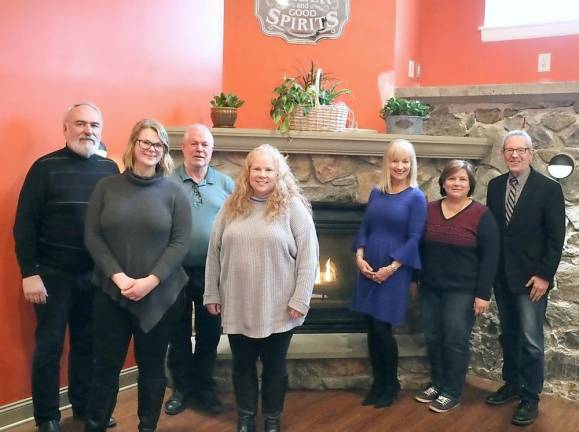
(404, 116)
(297, 97)
(224, 109)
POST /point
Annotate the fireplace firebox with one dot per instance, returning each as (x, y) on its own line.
(336, 225)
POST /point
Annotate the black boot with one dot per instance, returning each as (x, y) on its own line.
(389, 360)
(392, 387)
(378, 372)
(151, 392)
(272, 423)
(245, 389)
(100, 406)
(273, 390)
(245, 422)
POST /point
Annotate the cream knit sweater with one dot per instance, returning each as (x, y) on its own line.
(257, 268)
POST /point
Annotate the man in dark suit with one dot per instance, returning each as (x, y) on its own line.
(530, 210)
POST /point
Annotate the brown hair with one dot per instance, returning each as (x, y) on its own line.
(453, 166)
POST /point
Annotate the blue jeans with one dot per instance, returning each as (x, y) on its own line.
(448, 318)
(522, 340)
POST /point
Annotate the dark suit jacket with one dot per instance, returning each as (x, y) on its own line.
(532, 242)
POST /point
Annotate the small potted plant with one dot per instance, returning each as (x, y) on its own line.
(404, 116)
(224, 109)
(299, 102)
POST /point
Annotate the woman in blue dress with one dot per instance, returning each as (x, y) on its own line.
(386, 255)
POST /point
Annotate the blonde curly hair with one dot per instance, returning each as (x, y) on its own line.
(286, 187)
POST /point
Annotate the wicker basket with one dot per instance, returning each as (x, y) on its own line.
(326, 118)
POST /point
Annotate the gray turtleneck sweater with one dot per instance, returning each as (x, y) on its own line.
(139, 226)
(257, 268)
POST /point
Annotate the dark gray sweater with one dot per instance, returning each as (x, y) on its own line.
(139, 226)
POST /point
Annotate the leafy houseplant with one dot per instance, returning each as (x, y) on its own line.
(224, 109)
(299, 94)
(404, 116)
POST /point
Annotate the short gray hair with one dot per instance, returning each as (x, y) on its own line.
(519, 133)
(201, 127)
(76, 105)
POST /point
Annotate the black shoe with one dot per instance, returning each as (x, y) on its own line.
(208, 401)
(176, 403)
(526, 413)
(49, 426)
(503, 395)
(111, 424)
(245, 422)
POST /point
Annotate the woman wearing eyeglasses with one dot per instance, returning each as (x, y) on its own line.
(137, 230)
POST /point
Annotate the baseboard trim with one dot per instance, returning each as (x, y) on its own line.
(21, 411)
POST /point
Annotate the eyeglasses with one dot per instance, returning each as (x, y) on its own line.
(146, 145)
(520, 151)
(197, 194)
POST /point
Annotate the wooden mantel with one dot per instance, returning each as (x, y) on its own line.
(350, 143)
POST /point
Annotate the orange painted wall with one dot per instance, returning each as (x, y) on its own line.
(255, 63)
(135, 59)
(452, 52)
(406, 43)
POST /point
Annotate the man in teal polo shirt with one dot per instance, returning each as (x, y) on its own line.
(207, 189)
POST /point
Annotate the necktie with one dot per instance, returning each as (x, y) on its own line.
(510, 205)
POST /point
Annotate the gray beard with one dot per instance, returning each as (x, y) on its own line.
(83, 150)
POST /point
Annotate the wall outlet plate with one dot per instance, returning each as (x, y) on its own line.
(544, 62)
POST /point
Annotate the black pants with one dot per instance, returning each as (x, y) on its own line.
(113, 328)
(69, 301)
(194, 371)
(273, 352)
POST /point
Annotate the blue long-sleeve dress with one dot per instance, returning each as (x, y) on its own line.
(391, 230)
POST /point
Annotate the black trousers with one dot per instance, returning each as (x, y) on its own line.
(69, 301)
(113, 328)
(194, 371)
(272, 351)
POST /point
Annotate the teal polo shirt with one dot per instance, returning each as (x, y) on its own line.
(206, 200)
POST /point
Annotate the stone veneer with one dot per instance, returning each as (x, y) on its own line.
(552, 121)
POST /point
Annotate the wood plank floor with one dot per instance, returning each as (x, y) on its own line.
(340, 411)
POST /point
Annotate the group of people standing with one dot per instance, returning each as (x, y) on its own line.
(115, 256)
(450, 253)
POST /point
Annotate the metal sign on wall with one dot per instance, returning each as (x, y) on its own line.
(303, 21)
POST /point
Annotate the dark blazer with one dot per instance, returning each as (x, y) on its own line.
(532, 242)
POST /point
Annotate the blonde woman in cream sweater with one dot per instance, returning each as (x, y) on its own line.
(260, 274)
